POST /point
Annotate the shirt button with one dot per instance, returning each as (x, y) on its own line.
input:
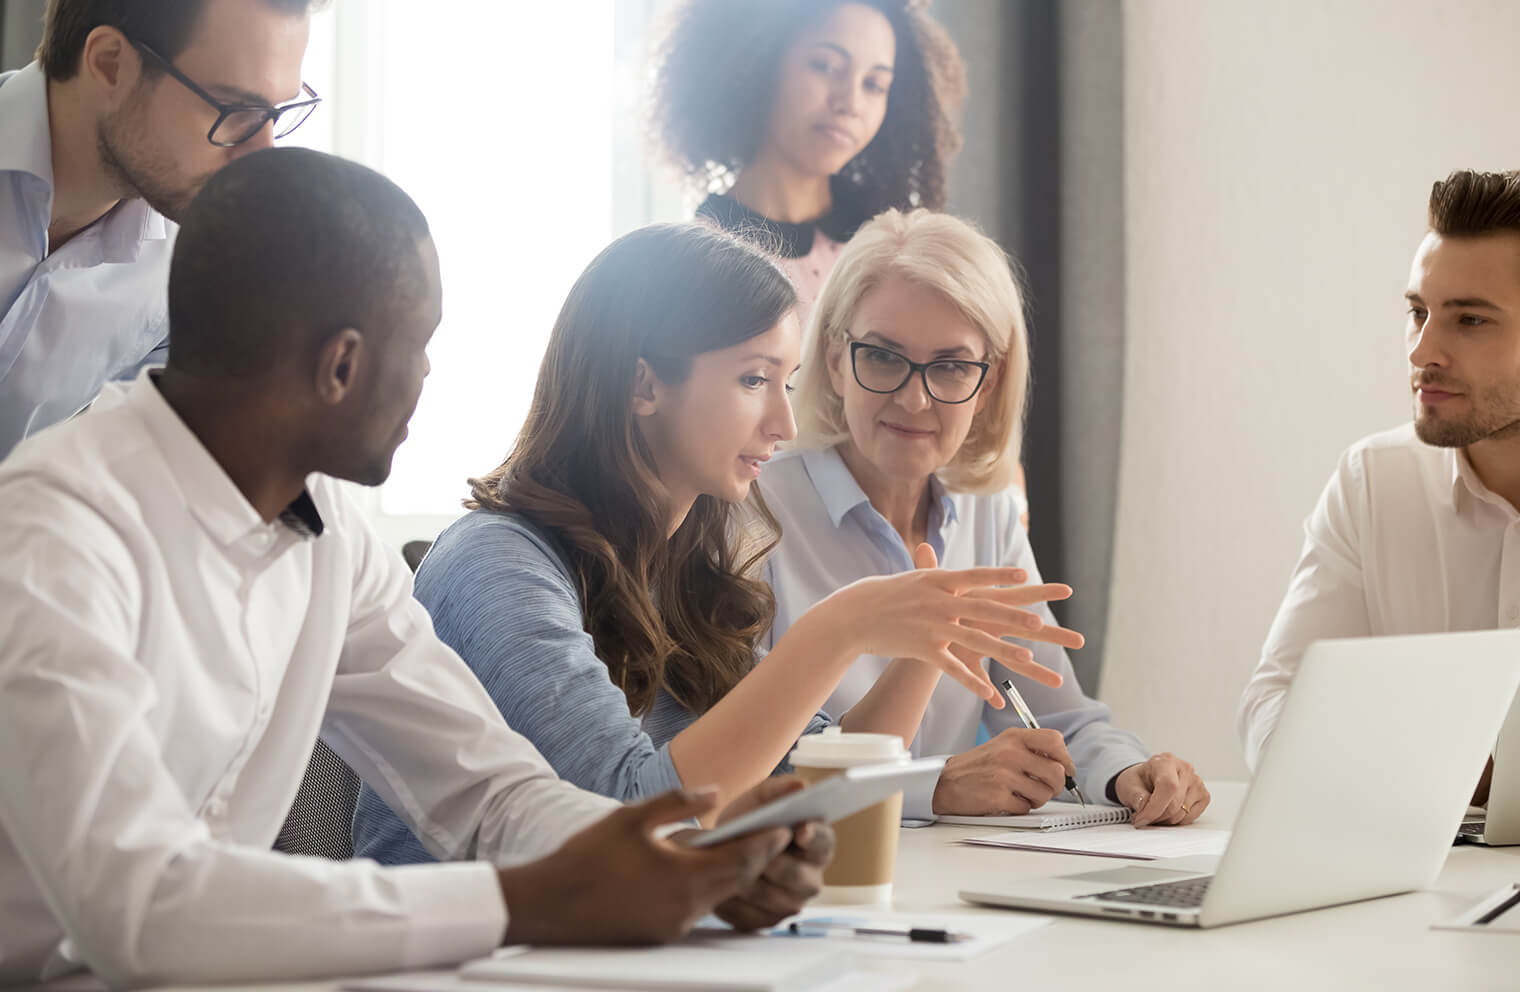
(216, 808)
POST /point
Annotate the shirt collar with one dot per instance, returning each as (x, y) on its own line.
(791, 240)
(208, 492)
(128, 225)
(840, 492)
(26, 146)
(1464, 479)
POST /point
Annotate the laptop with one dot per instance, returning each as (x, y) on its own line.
(1499, 824)
(1331, 816)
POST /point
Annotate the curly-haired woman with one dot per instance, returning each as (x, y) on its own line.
(601, 587)
(804, 119)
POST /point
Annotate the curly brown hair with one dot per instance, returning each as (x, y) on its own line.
(716, 76)
(680, 612)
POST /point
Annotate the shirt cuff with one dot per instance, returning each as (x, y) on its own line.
(918, 800)
(455, 912)
(1101, 781)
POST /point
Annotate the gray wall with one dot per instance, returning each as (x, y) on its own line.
(1092, 312)
(1042, 172)
(20, 30)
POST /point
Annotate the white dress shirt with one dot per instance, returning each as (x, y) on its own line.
(95, 309)
(1405, 540)
(167, 662)
(831, 536)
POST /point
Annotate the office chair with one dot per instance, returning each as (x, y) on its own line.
(321, 819)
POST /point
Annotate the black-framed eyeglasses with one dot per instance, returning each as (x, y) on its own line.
(237, 122)
(946, 380)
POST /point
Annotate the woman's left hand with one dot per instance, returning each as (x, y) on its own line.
(1163, 790)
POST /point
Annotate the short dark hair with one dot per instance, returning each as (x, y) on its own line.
(280, 250)
(716, 78)
(163, 25)
(1468, 203)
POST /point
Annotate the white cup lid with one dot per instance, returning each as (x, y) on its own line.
(833, 748)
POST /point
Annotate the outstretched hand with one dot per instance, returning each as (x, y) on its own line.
(953, 618)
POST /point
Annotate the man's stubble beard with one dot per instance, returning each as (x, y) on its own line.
(133, 171)
(1495, 416)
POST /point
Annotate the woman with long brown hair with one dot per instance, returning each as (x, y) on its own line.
(602, 585)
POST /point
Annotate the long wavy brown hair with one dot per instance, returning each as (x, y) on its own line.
(715, 81)
(682, 612)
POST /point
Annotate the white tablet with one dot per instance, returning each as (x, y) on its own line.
(852, 790)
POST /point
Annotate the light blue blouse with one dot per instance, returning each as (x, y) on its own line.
(501, 595)
(832, 536)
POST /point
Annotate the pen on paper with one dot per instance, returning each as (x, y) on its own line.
(1027, 715)
(918, 935)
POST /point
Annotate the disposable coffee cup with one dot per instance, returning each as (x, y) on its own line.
(865, 848)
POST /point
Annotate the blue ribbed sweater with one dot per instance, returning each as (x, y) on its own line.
(500, 594)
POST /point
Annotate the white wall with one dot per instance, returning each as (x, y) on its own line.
(1277, 159)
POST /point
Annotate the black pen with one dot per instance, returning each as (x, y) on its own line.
(1496, 912)
(1027, 715)
(921, 935)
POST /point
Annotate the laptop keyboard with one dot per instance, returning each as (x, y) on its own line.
(1474, 829)
(1186, 894)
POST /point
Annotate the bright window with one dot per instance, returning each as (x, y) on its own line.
(515, 128)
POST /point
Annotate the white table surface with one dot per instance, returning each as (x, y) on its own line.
(1381, 944)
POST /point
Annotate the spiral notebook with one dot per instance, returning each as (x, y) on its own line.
(1048, 818)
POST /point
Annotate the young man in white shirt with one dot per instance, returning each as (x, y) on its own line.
(103, 141)
(188, 598)
(1418, 530)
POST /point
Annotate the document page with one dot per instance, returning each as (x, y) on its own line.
(1116, 840)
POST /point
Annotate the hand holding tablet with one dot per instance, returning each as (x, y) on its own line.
(852, 790)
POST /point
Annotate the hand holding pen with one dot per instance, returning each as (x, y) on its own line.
(1016, 771)
(1027, 715)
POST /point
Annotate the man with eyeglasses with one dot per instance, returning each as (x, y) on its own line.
(104, 140)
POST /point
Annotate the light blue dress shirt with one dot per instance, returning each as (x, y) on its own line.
(94, 310)
(501, 595)
(832, 536)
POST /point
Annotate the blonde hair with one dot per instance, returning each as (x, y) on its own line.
(953, 258)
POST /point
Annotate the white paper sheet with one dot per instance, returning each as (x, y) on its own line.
(1116, 840)
(449, 981)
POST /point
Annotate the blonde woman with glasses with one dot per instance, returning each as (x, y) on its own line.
(909, 410)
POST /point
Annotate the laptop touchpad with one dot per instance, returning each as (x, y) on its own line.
(1131, 876)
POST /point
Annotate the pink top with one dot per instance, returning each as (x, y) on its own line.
(805, 251)
(809, 272)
